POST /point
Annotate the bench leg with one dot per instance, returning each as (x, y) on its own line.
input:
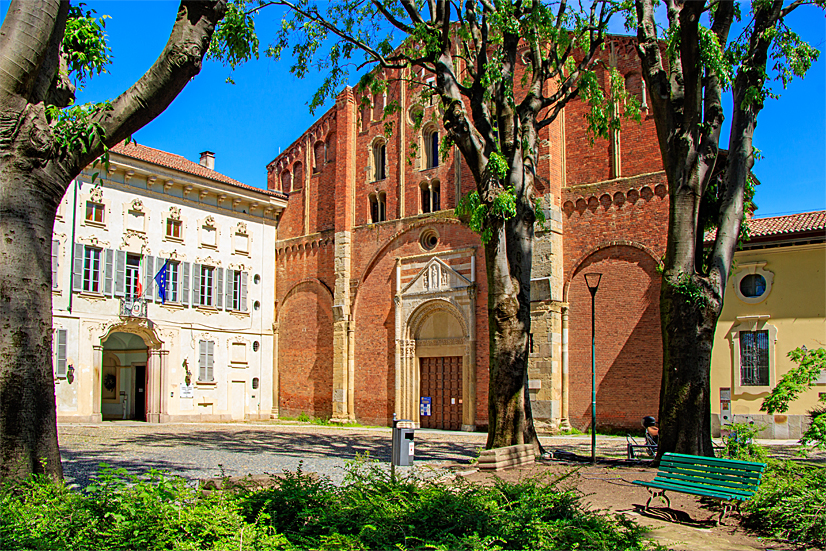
(724, 513)
(660, 494)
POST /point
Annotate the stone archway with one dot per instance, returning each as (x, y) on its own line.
(435, 319)
(134, 344)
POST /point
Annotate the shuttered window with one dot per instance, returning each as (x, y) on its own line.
(55, 257)
(205, 361)
(60, 353)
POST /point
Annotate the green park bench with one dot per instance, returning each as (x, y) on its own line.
(726, 480)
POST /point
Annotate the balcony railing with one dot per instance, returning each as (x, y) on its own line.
(133, 308)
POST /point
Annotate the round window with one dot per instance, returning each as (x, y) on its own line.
(256, 305)
(753, 286)
(255, 346)
(429, 239)
(256, 279)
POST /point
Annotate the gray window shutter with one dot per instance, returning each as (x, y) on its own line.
(77, 269)
(196, 285)
(184, 284)
(148, 283)
(230, 281)
(218, 289)
(210, 356)
(243, 291)
(55, 257)
(120, 273)
(60, 353)
(202, 360)
(108, 269)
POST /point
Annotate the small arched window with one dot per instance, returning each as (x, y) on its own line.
(318, 156)
(431, 197)
(298, 176)
(286, 181)
(431, 146)
(379, 161)
(378, 207)
(365, 118)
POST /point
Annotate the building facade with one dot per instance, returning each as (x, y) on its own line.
(204, 350)
(775, 302)
(381, 304)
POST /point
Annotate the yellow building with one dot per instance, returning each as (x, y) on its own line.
(775, 302)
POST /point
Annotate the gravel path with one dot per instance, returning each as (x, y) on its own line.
(236, 449)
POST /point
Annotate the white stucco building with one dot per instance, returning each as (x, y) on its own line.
(206, 352)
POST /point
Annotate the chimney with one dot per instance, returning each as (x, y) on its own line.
(208, 160)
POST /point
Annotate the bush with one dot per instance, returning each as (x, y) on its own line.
(370, 510)
(740, 444)
(791, 503)
(122, 511)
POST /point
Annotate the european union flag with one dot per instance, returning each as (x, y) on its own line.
(160, 279)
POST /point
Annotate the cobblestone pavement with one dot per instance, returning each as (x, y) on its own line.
(236, 449)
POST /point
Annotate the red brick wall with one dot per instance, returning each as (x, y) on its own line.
(305, 352)
(628, 343)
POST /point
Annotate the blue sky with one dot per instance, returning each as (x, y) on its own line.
(249, 123)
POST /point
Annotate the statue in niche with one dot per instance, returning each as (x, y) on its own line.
(434, 276)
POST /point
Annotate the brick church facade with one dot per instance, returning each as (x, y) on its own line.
(380, 292)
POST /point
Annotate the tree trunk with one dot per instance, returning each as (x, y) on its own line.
(28, 201)
(685, 401)
(508, 261)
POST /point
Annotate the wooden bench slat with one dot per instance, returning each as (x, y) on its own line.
(712, 475)
(728, 463)
(694, 484)
(734, 469)
(711, 470)
(694, 491)
(693, 488)
(708, 481)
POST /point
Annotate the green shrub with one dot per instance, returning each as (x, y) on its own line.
(370, 510)
(791, 503)
(740, 443)
(122, 511)
(303, 417)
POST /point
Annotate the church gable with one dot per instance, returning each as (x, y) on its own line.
(436, 276)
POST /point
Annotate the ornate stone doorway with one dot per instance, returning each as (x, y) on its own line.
(436, 340)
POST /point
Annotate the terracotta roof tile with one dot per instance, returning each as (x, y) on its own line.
(176, 162)
(782, 225)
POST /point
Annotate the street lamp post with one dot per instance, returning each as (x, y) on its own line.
(592, 281)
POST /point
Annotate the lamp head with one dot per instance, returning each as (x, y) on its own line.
(592, 281)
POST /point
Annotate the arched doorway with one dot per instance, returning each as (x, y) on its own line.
(440, 349)
(123, 377)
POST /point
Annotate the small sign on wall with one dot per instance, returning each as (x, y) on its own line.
(424, 405)
(187, 391)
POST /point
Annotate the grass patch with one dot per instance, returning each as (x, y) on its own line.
(368, 511)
